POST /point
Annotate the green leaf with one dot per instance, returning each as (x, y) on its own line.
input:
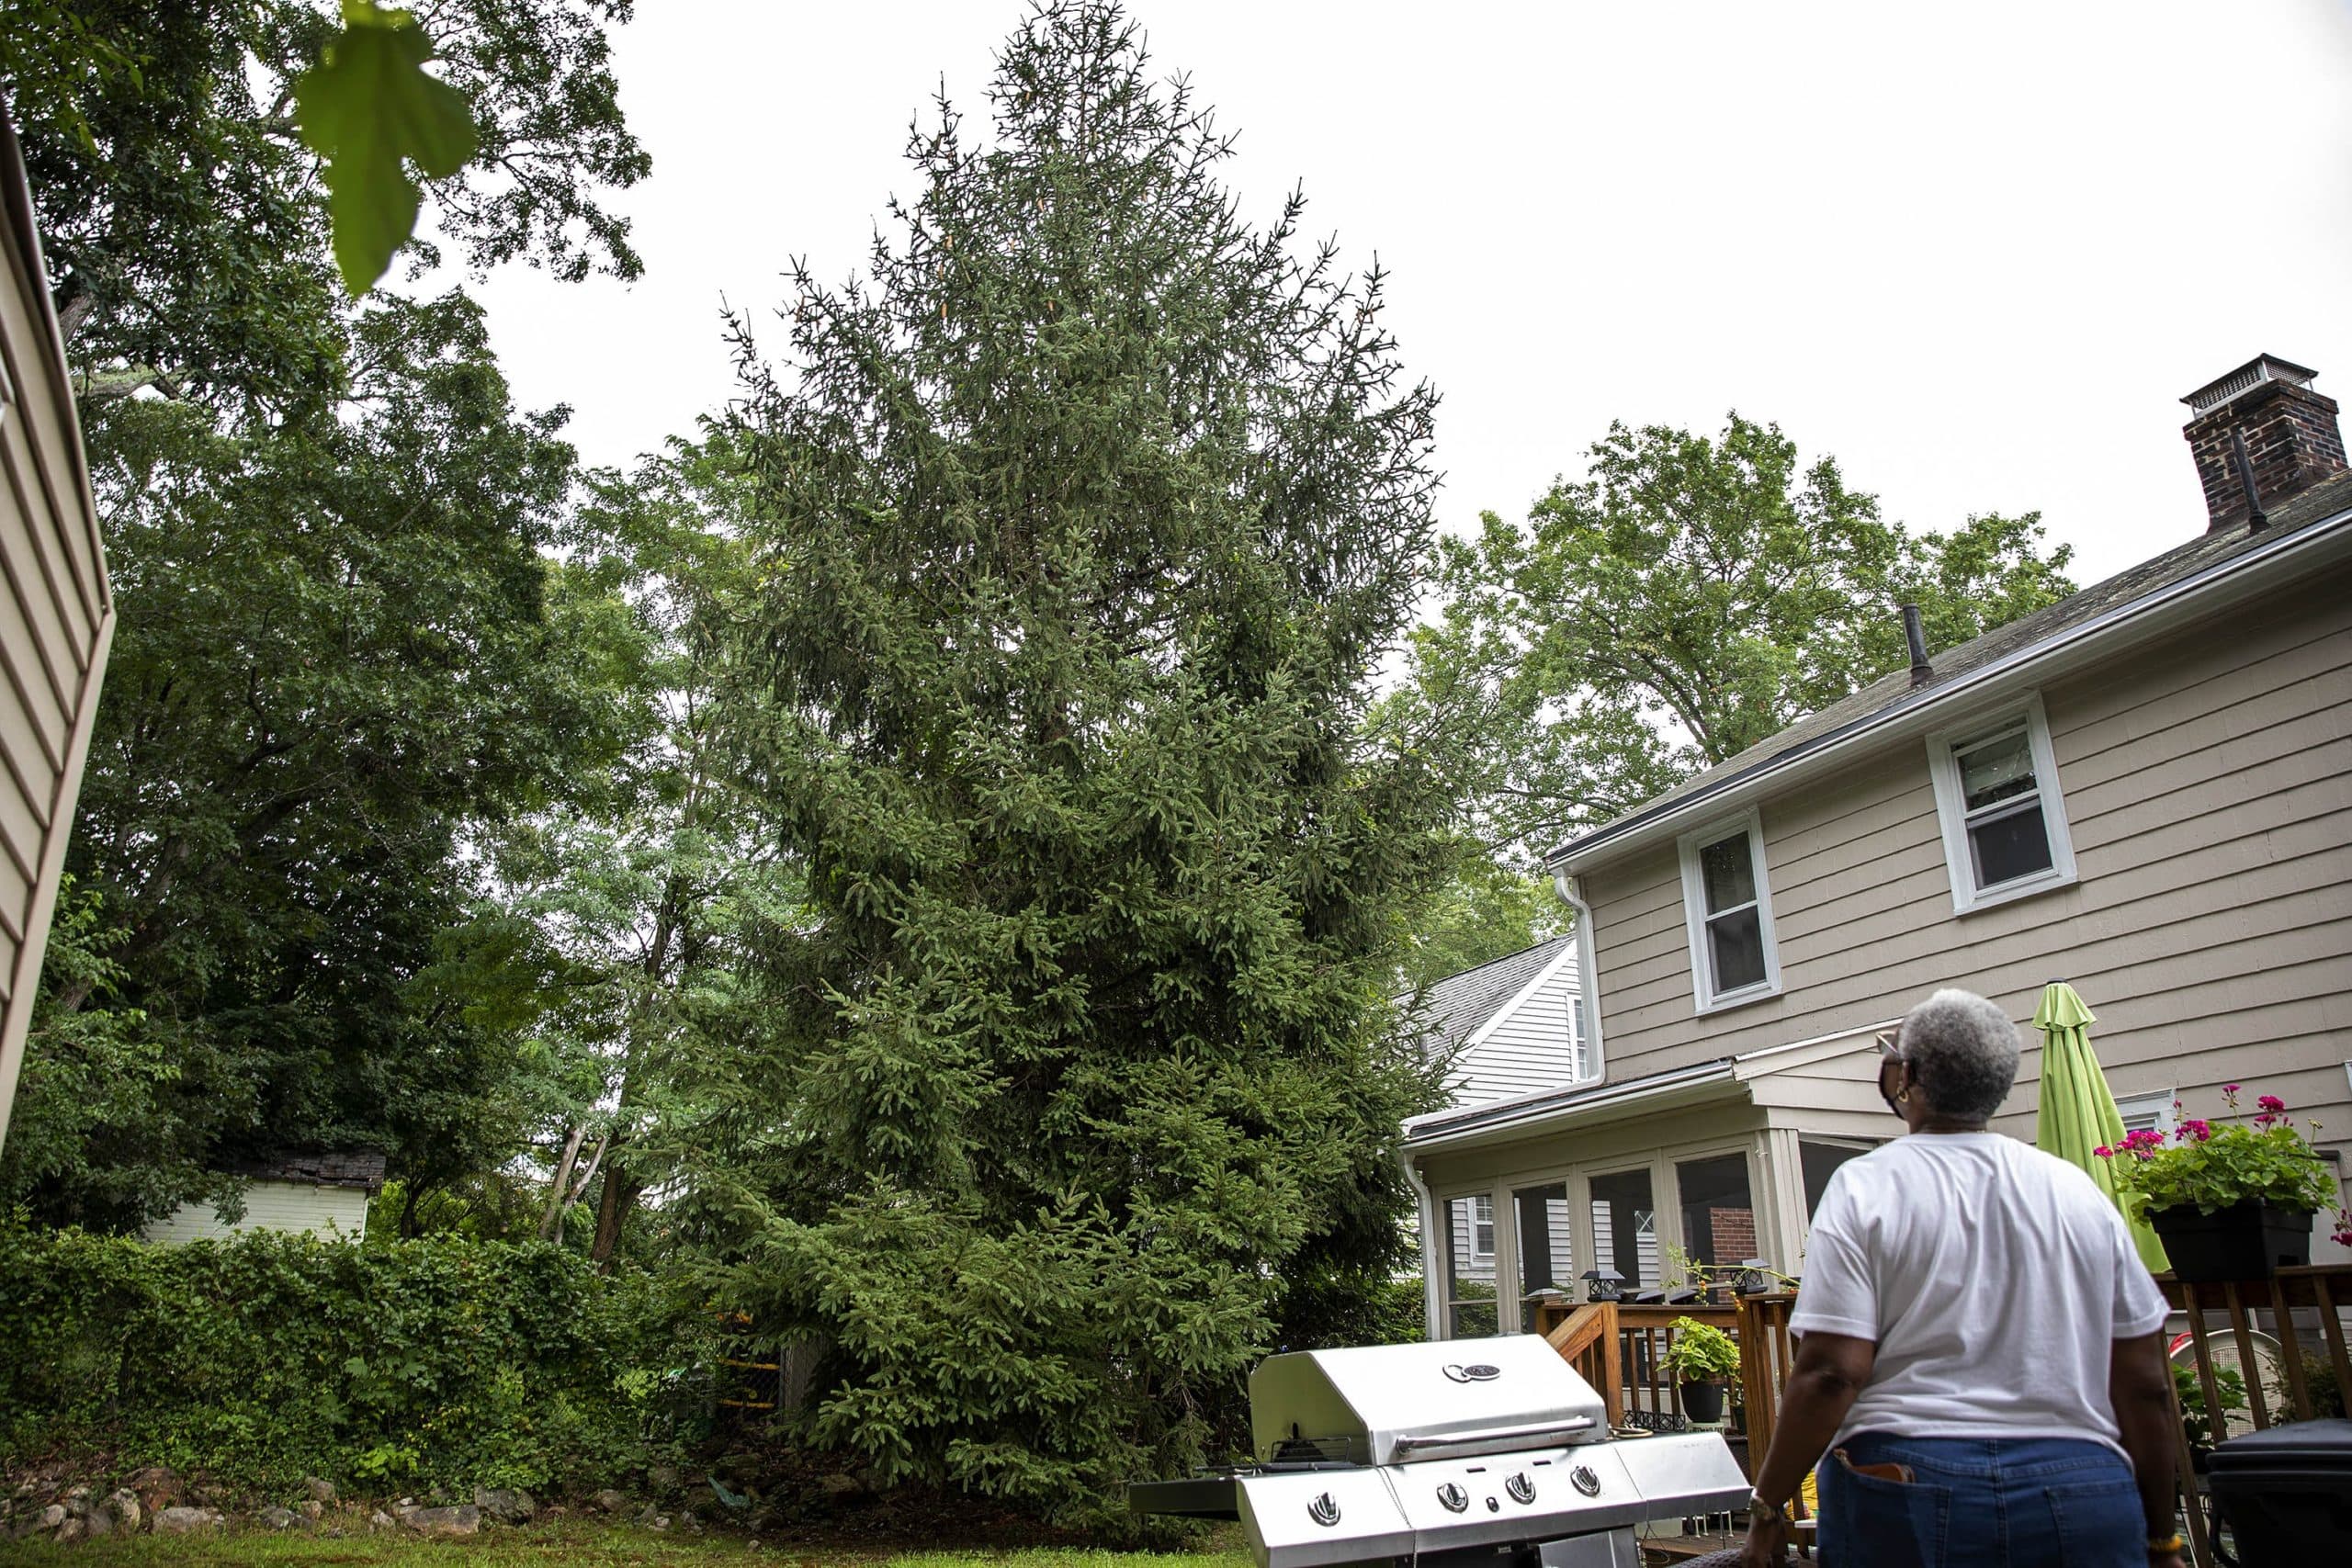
(369, 109)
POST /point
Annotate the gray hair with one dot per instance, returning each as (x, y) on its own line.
(1964, 1050)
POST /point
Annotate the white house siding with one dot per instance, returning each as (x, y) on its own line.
(271, 1206)
(2207, 784)
(1534, 1044)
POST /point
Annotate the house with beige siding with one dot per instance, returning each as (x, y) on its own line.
(56, 612)
(2145, 790)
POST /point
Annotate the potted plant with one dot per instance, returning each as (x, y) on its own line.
(2233, 1202)
(1702, 1358)
(2199, 1425)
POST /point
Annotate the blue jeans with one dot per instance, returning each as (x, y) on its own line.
(1998, 1502)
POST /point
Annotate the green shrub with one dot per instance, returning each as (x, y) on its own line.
(272, 1357)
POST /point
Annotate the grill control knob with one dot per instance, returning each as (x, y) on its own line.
(1521, 1490)
(1493, 1506)
(1585, 1480)
(1323, 1511)
(1455, 1499)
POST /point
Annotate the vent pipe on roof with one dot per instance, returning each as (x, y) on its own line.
(1916, 637)
(2256, 519)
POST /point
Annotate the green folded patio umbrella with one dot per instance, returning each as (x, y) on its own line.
(2078, 1112)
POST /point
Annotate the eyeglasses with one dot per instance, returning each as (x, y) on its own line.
(1889, 1049)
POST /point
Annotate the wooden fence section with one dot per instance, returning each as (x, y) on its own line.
(1619, 1349)
(2275, 1332)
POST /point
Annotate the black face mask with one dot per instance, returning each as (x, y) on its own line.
(1892, 1103)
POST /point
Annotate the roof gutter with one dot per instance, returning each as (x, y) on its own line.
(1446, 1129)
(1645, 825)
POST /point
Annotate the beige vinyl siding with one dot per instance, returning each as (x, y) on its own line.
(1528, 1047)
(270, 1206)
(56, 618)
(2208, 785)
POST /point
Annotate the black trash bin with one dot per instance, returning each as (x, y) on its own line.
(2287, 1492)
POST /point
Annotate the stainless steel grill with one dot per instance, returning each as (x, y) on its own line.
(1461, 1452)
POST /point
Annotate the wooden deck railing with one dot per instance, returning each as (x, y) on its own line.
(2305, 1310)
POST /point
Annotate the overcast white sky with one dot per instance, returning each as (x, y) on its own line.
(1978, 252)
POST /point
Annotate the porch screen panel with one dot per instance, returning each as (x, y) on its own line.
(1541, 1216)
(1718, 1212)
(1625, 1227)
(1819, 1161)
(1470, 1267)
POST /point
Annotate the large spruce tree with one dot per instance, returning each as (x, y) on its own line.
(1082, 525)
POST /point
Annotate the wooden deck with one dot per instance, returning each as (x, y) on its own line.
(1620, 1349)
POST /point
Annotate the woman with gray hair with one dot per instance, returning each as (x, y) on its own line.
(1981, 1357)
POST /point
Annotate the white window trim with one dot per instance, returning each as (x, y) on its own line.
(1694, 913)
(2159, 1105)
(1488, 1198)
(1952, 807)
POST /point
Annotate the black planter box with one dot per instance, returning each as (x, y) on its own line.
(2287, 1492)
(2251, 1241)
(1703, 1401)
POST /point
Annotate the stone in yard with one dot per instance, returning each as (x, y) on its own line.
(319, 1491)
(838, 1486)
(71, 1530)
(52, 1515)
(662, 1477)
(187, 1521)
(124, 1511)
(464, 1519)
(311, 1508)
(380, 1520)
(157, 1487)
(276, 1518)
(610, 1501)
(505, 1504)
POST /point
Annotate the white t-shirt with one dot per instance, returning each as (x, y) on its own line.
(1993, 1276)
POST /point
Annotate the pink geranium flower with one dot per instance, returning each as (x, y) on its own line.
(2271, 1103)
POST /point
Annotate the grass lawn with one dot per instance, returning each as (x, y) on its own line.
(560, 1545)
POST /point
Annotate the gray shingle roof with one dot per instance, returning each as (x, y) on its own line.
(349, 1168)
(1453, 1009)
(2316, 504)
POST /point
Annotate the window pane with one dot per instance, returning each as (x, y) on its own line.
(1482, 1226)
(1542, 1214)
(2009, 847)
(1736, 943)
(1996, 770)
(1469, 1278)
(1718, 1216)
(1819, 1161)
(1623, 1237)
(1728, 873)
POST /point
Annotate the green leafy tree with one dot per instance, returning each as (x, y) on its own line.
(1687, 598)
(1079, 528)
(186, 223)
(344, 652)
(1484, 912)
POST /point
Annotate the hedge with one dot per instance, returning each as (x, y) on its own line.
(389, 1367)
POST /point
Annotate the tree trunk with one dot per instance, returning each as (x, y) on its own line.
(549, 1221)
(614, 1202)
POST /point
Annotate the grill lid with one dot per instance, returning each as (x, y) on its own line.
(1385, 1404)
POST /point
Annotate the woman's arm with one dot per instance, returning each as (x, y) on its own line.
(1830, 1370)
(2139, 1384)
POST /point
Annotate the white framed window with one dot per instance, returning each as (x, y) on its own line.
(2146, 1113)
(1727, 903)
(1482, 1226)
(2004, 820)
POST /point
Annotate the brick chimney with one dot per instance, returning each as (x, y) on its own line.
(2291, 439)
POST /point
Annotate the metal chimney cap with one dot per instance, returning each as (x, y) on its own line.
(2246, 378)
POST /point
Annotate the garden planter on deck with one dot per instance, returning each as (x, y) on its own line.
(2251, 1241)
(1703, 1402)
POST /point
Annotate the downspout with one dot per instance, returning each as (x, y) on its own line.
(1426, 1206)
(1587, 965)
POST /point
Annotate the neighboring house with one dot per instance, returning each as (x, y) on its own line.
(324, 1194)
(1511, 1027)
(2145, 789)
(56, 612)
